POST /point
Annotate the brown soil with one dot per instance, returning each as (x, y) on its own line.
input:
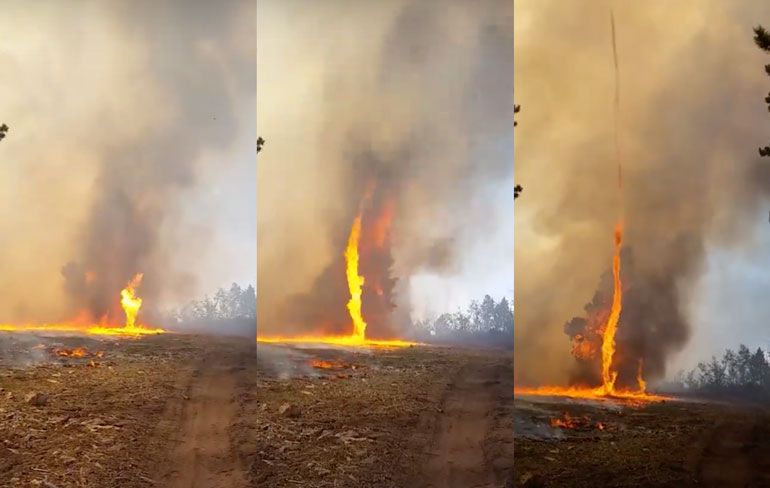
(202, 418)
(675, 443)
(459, 459)
(129, 419)
(392, 418)
(199, 412)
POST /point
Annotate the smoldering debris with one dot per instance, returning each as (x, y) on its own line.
(313, 361)
(284, 362)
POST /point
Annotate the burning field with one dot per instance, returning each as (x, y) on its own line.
(105, 405)
(585, 443)
(98, 411)
(346, 410)
(380, 416)
(621, 271)
(130, 304)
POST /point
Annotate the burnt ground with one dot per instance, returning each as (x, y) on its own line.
(198, 411)
(676, 443)
(157, 411)
(404, 417)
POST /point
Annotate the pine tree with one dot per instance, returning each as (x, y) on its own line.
(762, 40)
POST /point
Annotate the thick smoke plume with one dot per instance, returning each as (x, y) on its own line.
(138, 184)
(391, 109)
(691, 119)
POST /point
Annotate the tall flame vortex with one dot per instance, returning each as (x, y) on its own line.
(355, 281)
(608, 338)
(130, 302)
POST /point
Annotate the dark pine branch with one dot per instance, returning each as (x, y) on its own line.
(516, 189)
(762, 38)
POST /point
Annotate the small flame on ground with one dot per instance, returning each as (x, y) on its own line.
(335, 364)
(78, 352)
(568, 421)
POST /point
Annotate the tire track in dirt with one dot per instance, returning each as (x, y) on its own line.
(458, 455)
(203, 456)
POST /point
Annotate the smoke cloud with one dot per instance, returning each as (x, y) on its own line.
(113, 107)
(691, 118)
(397, 110)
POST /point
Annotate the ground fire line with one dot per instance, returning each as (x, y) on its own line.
(130, 303)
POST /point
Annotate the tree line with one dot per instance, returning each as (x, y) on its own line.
(227, 311)
(737, 374)
(485, 323)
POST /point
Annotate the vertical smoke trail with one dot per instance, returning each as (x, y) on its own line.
(617, 104)
(610, 330)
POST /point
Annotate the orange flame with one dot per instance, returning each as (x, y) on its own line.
(78, 352)
(609, 376)
(355, 287)
(130, 302)
(640, 378)
(320, 364)
(382, 224)
(568, 422)
(608, 338)
(355, 281)
(83, 323)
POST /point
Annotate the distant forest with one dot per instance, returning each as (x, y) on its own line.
(742, 374)
(228, 311)
(488, 323)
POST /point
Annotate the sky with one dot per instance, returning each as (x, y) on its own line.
(695, 200)
(131, 149)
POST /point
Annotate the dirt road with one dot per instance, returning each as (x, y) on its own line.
(203, 456)
(460, 458)
(392, 418)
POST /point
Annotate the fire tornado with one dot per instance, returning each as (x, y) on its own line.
(355, 281)
(608, 339)
(375, 237)
(130, 302)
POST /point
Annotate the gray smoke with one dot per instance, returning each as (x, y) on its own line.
(690, 123)
(140, 185)
(412, 99)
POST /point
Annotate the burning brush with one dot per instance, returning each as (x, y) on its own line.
(332, 365)
(78, 352)
(568, 421)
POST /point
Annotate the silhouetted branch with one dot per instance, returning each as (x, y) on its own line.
(762, 38)
(516, 189)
